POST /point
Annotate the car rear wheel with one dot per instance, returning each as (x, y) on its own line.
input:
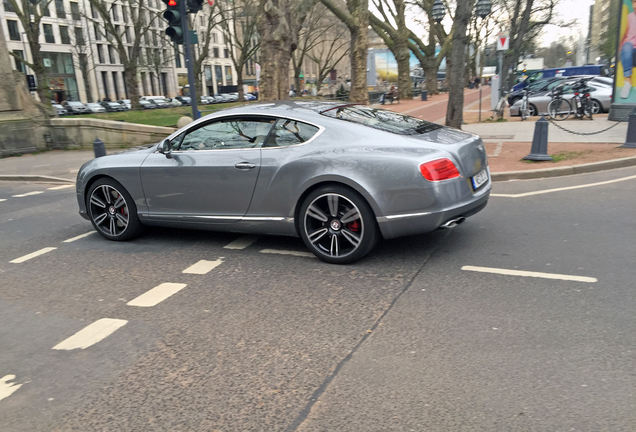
(596, 107)
(337, 225)
(112, 210)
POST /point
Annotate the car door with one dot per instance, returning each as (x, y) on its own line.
(211, 173)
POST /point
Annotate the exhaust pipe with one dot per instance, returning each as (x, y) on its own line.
(453, 222)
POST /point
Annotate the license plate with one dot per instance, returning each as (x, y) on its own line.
(479, 179)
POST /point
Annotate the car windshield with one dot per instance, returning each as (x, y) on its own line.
(383, 120)
(75, 104)
(113, 104)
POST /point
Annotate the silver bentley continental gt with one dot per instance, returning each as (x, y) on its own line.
(337, 175)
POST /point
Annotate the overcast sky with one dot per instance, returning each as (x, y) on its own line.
(569, 10)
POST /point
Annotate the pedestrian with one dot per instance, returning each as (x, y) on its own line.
(477, 82)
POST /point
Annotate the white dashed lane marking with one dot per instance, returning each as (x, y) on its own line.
(27, 194)
(530, 274)
(3, 199)
(32, 255)
(241, 242)
(287, 252)
(156, 295)
(203, 267)
(91, 334)
(61, 187)
(81, 236)
(6, 387)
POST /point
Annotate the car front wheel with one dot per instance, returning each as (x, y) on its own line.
(337, 225)
(112, 210)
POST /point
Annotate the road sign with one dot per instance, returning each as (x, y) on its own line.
(503, 41)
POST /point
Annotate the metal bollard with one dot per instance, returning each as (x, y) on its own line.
(424, 95)
(539, 150)
(630, 141)
(99, 148)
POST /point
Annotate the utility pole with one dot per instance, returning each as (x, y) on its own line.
(188, 59)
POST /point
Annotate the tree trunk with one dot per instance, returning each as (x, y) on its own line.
(239, 83)
(430, 72)
(455, 111)
(132, 84)
(87, 81)
(43, 89)
(403, 57)
(360, 15)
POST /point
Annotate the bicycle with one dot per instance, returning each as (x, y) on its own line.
(582, 100)
(559, 108)
(527, 110)
(498, 112)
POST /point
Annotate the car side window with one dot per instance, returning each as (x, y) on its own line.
(234, 133)
(289, 132)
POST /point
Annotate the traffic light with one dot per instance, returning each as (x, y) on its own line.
(173, 16)
(194, 6)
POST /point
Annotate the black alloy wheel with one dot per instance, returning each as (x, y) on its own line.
(112, 210)
(337, 225)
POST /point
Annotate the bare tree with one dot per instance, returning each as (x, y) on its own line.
(81, 47)
(279, 23)
(524, 19)
(396, 36)
(331, 49)
(30, 14)
(425, 51)
(355, 15)
(238, 22)
(209, 17)
(129, 47)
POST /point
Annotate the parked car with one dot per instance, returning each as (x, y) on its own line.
(601, 96)
(60, 110)
(203, 100)
(95, 107)
(339, 176)
(75, 107)
(535, 87)
(210, 99)
(147, 105)
(173, 102)
(126, 103)
(112, 106)
(597, 70)
(219, 99)
(159, 103)
(249, 97)
(224, 97)
(185, 100)
(234, 97)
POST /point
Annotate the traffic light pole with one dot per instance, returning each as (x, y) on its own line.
(188, 58)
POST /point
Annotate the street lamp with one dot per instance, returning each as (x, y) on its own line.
(483, 8)
(439, 11)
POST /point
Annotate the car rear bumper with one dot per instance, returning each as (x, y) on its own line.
(393, 226)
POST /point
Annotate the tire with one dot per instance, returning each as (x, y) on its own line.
(532, 110)
(337, 225)
(597, 107)
(559, 109)
(112, 210)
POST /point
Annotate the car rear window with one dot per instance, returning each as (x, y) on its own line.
(383, 120)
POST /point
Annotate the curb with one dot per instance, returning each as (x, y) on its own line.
(40, 178)
(566, 170)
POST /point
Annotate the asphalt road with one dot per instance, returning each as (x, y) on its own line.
(409, 339)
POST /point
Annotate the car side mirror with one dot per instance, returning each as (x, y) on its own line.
(165, 148)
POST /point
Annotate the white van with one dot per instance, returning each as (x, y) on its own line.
(158, 101)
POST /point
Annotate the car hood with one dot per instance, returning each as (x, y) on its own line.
(146, 148)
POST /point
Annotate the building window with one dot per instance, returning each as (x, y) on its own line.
(8, 7)
(94, 13)
(98, 35)
(124, 13)
(228, 75)
(215, 38)
(164, 55)
(100, 53)
(79, 36)
(75, 12)
(177, 58)
(44, 7)
(111, 54)
(114, 12)
(19, 66)
(48, 33)
(128, 39)
(115, 86)
(105, 83)
(64, 35)
(215, 52)
(14, 32)
(59, 8)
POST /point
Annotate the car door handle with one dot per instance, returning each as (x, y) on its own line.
(244, 165)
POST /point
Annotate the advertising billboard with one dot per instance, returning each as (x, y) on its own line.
(626, 58)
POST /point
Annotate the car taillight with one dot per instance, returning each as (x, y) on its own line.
(587, 95)
(576, 94)
(439, 169)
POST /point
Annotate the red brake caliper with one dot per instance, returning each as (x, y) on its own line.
(353, 226)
